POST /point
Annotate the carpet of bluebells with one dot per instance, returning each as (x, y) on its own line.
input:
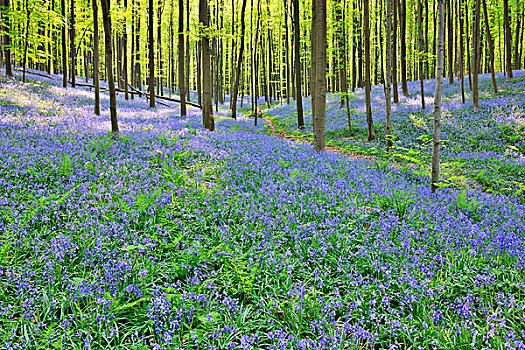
(172, 237)
(485, 149)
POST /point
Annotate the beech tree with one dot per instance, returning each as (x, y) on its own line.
(319, 71)
(96, 58)
(440, 62)
(207, 108)
(106, 18)
(366, 24)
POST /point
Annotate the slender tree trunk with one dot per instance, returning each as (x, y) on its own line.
(491, 47)
(207, 107)
(239, 63)
(26, 40)
(297, 62)
(109, 65)
(517, 37)
(160, 80)
(151, 55)
(64, 45)
(421, 51)
(437, 98)
(188, 95)
(366, 24)
(402, 34)
(132, 63)
(508, 39)
(319, 44)
(468, 48)
(96, 57)
(138, 72)
(72, 35)
(199, 73)
(287, 52)
(475, 55)
(182, 80)
(125, 54)
(388, 74)
(394, 51)
(6, 27)
(450, 42)
(461, 53)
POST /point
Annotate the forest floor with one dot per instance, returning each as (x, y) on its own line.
(174, 237)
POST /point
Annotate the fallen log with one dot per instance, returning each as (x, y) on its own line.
(165, 98)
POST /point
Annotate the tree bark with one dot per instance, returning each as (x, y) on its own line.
(394, 51)
(64, 45)
(491, 47)
(182, 80)
(421, 51)
(437, 97)
(517, 38)
(72, 35)
(508, 39)
(26, 40)
(151, 87)
(319, 44)
(287, 52)
(366, 24)
(7, 41)
(402, 34)
(461, 53)
(388, 74)
(475, 55)
(96, 57)
(239, 63)
(297, 62)
(207, 108)
(109, 65)
(450, 43)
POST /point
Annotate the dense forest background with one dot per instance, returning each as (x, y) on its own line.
(260, 40)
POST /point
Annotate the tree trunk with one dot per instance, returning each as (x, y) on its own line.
(297, 62)
(491, 47)
(461, 53)
(421, 51)
(207, 108)
(319, 43)
(517, 38)
(239, 63)
(437, 98)
(182, 80)
(366, 24)
(402, 34)
(138, 71)
(125, 54)
(388, 73)
(151, 87)
(96, 57)
(72, 35)
(7, 41)
(26, 40)
(109, 65)
(450, 43)
(475, 55)
(287, 52)
(508, 39)
(394, 51)
(64, 45)
(188, 97)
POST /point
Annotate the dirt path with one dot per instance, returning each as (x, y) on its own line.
(327, 148)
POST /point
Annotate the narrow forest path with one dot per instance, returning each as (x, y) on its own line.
(372, 159)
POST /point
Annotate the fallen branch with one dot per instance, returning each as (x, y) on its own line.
(35, 73)
(165, 98)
